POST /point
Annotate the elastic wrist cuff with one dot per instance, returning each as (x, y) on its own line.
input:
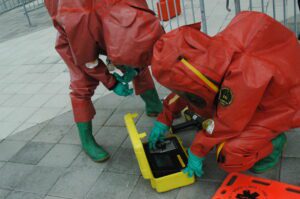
(161, 125)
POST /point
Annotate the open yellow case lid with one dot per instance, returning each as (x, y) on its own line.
(137, 144)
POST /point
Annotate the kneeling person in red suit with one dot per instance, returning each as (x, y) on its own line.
(245, 81)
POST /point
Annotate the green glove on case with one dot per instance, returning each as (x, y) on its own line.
(194, 166)
(157, 134)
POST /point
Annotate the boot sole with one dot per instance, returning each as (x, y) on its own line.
(100, 160)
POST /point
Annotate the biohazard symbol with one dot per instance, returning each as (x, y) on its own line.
(247, 195)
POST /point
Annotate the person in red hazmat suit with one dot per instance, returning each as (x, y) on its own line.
(125, 31)
(245, 81)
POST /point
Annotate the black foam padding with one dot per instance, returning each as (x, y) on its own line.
(166, 163)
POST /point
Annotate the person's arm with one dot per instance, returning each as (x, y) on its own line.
(241, 93)
(79, 49)
(101, 73)
(172, 106)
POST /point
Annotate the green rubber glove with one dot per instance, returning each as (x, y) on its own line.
(157, 134)
(194, 166)
(129, 74)
(123, 89)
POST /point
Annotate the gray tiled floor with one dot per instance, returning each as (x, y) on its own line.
(12, 174)
(24, 195)
(75, 182)
(56, 167)
(9, 149)
(32, 153)
(51, 133)
(27, 134)
(40, 180)
(61, 155)
(3, 193)
(113, 186)
(143, 190)
(46, 161)
(290, 170)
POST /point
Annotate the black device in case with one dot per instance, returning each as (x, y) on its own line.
(164, 159)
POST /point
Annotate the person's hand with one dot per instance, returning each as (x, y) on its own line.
(157, 134)
(122, 89)
(128, 75)
(194, 166)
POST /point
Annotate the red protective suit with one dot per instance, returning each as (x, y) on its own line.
(87, 28)
(255, 67)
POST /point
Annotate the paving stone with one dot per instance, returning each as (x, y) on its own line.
(144, 190)
(187, 137)
(102, 116)
(144, 120)
(31, 153)
(83, 160)
(201, 189)
(51, 60)
(117, 119)
(292, 146)
(24, 195)
(61, 155)
(290, 171)
(7, 128)
(12, 174)
(75, 182)
(113, 186)
(71, 137)
(40, 180)
(9, 149)
(27, 134)
(132, 104)
(5, 97)
(111, 136)
(96, 127)
(51, 133)
(20, 114)
(296, 130)
(2, 164)
(124, 161)
(110, 101)
(65, 119)
(44, 114)
(211, 169)
(4, 193)
(52, 197)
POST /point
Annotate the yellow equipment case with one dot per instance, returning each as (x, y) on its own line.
(163, 167)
